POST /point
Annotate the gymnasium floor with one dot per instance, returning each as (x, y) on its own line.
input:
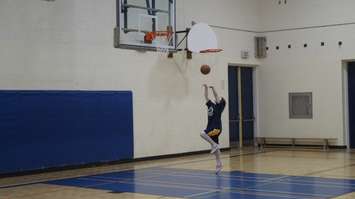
(248, 174)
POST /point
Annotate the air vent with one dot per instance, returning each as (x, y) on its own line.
(300, 105)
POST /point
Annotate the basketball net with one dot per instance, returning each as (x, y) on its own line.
(162, 46)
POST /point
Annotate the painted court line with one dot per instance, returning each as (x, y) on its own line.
(283, 179)
(317, 195)
(136, 187)
(262, 183)
(247, 195)
(274, 195)
(156, 182)
(325, 185)
(183, 185)
(134, 182)
(208, 175)
(212, 189)
(276, 180)
(319, 183)
(44, 180)
(188, 175)
(201, 194)
(199, 186)
(206, 183)
(279, 180)
(202, 185)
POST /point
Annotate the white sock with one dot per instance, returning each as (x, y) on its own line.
(207, 138)
(218, 157)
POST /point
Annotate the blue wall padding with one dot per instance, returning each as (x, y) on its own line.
(44, 129)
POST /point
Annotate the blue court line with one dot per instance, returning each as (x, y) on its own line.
(234, 195)
(156, 178)
(250, 194)
(231, 174)
(123, 173)
(284, 179)
(337, 186)
(325, 181)
(281, 178)
(153, 167)
(130, 185)
(192, 183)
(176, 191)
(205, 184)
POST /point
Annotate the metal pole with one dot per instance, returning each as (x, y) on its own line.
(118, 12)
(126, 30)
(188, 53)
(170, 22)
(182, 31)
(125, 12)
(153, 13)
(148, 6)
(240, 108)
(145, 8)
(176, 38)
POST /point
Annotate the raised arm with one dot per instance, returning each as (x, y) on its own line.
(215, 94)
(206, 92)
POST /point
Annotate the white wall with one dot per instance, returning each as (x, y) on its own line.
(313, 69)
(239, 14)
(68, 44)
(303, 13)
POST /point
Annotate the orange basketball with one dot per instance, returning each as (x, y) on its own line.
(205, 69)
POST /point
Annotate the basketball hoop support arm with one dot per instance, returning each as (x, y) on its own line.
(186, 32)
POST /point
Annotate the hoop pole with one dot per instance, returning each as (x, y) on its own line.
(125, 12)
(152, 12)
(145, 8)
(181, 31)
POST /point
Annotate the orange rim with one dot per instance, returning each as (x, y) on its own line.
(211, 50)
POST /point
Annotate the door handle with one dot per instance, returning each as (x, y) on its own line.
(252, 119)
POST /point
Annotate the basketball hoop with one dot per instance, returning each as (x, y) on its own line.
(217, 50)
(149, 37)
(161, 39)
(162, 49)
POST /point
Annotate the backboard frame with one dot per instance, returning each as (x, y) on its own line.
(119, 29)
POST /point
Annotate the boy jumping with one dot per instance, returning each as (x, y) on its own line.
(214, 125)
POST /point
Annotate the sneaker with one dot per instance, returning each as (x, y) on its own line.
(219, 169)
(214, 148)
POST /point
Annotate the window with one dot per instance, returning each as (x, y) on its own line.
(300, 105)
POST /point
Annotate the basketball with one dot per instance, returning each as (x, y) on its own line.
(205, 69)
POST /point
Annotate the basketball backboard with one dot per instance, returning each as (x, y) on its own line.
(202, 39)
(145, 24)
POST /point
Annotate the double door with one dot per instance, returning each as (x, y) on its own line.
(241, 106)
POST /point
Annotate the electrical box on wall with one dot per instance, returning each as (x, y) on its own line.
(244, 54)
(260, 47)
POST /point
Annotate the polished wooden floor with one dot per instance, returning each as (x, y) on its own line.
(333, 164)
